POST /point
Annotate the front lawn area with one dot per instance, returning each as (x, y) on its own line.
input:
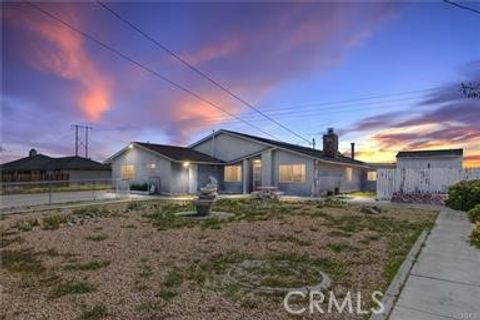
(141, 261)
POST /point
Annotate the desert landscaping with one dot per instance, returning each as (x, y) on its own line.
(139, 260)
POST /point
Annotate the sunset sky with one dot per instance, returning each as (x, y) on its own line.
(386, 76)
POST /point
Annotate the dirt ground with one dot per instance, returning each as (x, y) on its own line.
(141, 261)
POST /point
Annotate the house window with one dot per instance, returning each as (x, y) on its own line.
(349, 174)
(372, 176)
(291, 173)
(233, 174)
(128, 171)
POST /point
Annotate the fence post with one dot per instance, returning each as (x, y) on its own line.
(49, 193)
(94, 190)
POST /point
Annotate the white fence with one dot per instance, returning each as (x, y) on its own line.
(434, 180)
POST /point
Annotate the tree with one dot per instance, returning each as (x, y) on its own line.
(471, 90)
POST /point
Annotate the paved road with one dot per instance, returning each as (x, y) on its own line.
(445, 281)
(35, 199)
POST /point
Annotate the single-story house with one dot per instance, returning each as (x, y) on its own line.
(426, 159)
(241, 163)
(39, 167)
(171, 169)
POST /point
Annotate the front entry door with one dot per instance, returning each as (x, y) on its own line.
(257, 174)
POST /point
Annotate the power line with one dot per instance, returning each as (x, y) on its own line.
(461, 6)
(140, 65)
(198, 71)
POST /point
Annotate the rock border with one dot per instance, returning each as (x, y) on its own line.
(324, 284)
(213, 215)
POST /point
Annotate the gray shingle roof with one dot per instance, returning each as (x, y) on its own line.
(43, 162)
(179, 153)
(430, 153)
(300, 149)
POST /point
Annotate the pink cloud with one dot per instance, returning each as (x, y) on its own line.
(62, 52)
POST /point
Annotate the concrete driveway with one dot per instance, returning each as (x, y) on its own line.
(445, 281)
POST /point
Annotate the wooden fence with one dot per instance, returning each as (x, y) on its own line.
(427, 181)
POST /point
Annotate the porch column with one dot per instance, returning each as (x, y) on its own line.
(267, 168)
(245, 175)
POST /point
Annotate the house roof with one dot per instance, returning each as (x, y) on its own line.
(43, 162)
(430, 153)
(178, 153)
(299, 149)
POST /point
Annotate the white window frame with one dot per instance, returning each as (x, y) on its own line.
(283, 169)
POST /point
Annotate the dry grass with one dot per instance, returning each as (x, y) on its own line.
(142, 262)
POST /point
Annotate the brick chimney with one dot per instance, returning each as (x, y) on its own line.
(330, 143)
(352, 153)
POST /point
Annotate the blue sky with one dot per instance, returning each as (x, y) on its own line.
(290, 60)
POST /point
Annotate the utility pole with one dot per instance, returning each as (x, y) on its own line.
(78, 141)
(76, 138)
(86, 140)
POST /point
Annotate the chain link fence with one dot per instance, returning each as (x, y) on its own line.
(22, 194)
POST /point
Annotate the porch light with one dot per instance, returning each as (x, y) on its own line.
(186, 164)
(130, 146)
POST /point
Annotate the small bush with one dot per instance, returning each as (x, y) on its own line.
(475, 237)
(97, 237)
(474, 214)
(166, 294)
(98, 311)
(464, 195)
(66, 288)
(89, 266)
(54, 221)
(91, 212)
(26, 224)
(139, 186)
(21, 261)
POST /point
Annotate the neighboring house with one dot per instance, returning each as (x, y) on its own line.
(39, 167)
(448, 158)
(241, 163)
(171, 169)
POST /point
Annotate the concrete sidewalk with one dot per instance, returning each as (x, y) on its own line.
(445, 281)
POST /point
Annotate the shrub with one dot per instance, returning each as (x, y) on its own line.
(74, 287)
(53, 221)
(474, 214)
(139, 186)
(464, 195)
(98, 311)
(26, 224)
(475, 237)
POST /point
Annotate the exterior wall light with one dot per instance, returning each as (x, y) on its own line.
(130, 146)
(186, 164)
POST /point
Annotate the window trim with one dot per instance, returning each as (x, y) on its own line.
(237, 167)
(292, 180)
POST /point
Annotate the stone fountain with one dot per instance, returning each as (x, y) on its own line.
(206, 197)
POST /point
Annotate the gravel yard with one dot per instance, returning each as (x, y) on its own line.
(139, 260)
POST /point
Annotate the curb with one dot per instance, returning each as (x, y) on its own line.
(390, 297)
